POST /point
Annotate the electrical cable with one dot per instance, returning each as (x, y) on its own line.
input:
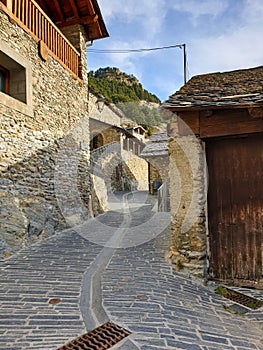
(135, 50)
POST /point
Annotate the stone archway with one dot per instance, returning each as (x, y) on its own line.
(96, 141)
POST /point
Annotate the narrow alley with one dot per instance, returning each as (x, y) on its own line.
(112, 269)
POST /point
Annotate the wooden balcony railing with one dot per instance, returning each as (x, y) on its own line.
(31, 17)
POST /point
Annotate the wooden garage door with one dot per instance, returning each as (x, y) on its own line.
(235, 207)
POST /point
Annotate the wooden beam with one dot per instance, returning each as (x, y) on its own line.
(188, 123)
(59, 11)
(206, 113)
(229, 122)
(89, 19)
(74, 8)
(84, 21)
(90, 7)
(256, 112)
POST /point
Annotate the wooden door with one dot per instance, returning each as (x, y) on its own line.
(235, 207)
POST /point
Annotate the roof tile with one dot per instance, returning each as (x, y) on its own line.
(239, 87)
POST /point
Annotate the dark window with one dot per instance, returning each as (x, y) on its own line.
(4, 80)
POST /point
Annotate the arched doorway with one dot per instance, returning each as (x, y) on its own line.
(96, 141)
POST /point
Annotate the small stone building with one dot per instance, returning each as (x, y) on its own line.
(44, 116)
(138, 131)
(156, 153)
(216, 175)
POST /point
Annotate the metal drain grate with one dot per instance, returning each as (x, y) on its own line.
(103, 337)
(239, 298)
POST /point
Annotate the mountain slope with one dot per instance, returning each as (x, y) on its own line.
(127, 93)
(117, 86)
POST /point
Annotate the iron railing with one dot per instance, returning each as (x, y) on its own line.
(105, 150)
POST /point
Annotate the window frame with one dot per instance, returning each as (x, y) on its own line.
(6, 79)
(13, 58)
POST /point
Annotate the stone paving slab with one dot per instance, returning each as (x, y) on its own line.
(52, 269)
(167, 310)
(138, 290)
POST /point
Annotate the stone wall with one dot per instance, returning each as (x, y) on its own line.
(137, 169)
(39, 144)
(188, 198)
(120, 170)
(76, 35)
(103, 124)
(114, 169)
(102, 134)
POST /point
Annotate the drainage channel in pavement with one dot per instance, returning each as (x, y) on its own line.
(103, 337)
(237, 297)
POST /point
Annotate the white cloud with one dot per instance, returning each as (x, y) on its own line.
(130, 9)
(234, 38)
(201, 7)
(150, 14)
(253, 11)
(239, 48)
(127, 62)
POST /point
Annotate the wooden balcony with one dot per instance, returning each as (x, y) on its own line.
(33, 19)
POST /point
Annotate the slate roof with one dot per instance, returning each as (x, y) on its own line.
(234, 88)
(137, 127)
(157, 146)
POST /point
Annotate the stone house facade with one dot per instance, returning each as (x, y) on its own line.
(138, 131)
(44, 118)
(216, 166)
(115, 161)
(156, 153)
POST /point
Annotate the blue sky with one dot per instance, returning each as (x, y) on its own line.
(220, 35)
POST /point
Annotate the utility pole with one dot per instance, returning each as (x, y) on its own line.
(184, 48)
(181, 46)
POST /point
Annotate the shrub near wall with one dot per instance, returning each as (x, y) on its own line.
(31, 141)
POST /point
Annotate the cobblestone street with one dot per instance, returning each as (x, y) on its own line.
(68, 284)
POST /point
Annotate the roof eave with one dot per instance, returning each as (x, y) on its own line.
(102, 30)
(209, 106)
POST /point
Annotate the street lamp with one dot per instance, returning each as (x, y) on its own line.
(100, 103)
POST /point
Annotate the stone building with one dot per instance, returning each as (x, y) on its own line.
(115, 161)
(217, 130)
(156, 153)
(137, 131)
(44, 116)
(105, 121)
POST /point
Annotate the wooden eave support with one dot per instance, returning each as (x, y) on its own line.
(84, 21)
(206, 113)
(90, 7)
(255, 112)
(74, 8)
(59, 11)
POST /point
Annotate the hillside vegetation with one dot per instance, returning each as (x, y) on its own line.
(126, 92)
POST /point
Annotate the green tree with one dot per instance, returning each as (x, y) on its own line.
(126, 92)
